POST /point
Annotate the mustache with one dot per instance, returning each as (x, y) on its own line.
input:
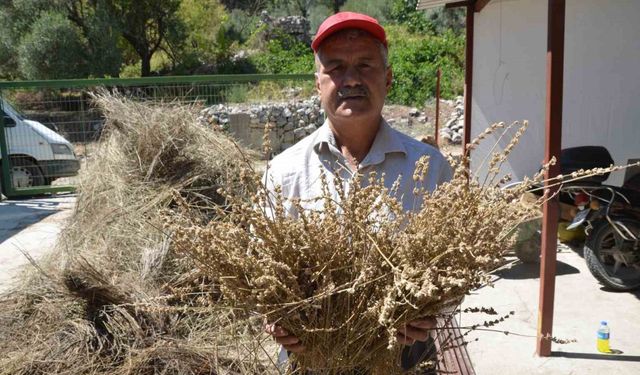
(348, 92)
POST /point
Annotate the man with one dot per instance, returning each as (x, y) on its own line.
(353, 78)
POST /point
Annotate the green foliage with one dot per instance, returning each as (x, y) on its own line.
(240, 25)
(202, 20)
(432, 22)
(318, 14)
(378, 9)
(284, 54)
(415, 59)
(53, 49)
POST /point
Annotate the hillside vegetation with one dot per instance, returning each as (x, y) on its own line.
(43, 39)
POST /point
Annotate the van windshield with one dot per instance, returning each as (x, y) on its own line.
(11, 110)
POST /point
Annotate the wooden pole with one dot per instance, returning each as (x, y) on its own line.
(437, 130)
(468, 75)
(553, 144)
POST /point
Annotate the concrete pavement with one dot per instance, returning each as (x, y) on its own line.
(30, 225)
(580, 304)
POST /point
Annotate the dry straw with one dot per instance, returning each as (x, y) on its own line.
(113, 298)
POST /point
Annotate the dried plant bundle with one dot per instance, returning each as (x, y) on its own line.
(345, 278)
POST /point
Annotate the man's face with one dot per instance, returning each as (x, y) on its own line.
(352, 79)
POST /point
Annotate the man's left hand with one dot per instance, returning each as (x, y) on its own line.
(417, 330)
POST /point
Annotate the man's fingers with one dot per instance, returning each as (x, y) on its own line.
(275, 330)
(404, 340)
(287, 340)
(294, 348)
(427, 323)
(284, 338)
(417, 334)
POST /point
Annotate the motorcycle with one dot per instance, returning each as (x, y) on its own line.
(608, 215)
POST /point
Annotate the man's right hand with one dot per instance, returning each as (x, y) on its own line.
(284, 338)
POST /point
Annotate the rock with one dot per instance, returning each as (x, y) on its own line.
(422, 119)
(456, 139)
(287, 112)
(289, 126)
(310, 129)
(414, 112)
(299, 133)
(288, 137)
(450, 123)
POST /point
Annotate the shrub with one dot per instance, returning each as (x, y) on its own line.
(53, 49)
(415, 61)
(284, 54)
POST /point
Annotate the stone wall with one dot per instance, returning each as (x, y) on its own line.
(291, 121)
(296, 26)
(453, 130)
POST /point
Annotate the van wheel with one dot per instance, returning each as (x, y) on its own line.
(26, 173)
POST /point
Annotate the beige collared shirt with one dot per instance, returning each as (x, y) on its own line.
(297, 170)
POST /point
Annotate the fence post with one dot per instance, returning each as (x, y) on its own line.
(437, 127)
(5, 177)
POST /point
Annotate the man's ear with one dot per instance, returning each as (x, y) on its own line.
(317, 82)
(389, 78)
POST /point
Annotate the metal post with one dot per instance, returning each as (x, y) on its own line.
(6, 182)
(468, 75)
(437, 130)
(553, 144)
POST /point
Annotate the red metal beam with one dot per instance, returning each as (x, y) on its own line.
(437, 130)
(468, 75)
(553, 144)
(480, 4)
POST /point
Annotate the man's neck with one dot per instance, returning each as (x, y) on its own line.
(355, 140)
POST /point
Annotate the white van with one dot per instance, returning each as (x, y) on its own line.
(38, 154)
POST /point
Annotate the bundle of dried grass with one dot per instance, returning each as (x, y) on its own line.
(113, 298)
(343, 280)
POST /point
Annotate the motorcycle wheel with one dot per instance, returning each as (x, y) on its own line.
(614, 263)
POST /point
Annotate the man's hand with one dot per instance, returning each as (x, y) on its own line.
(417, 330)
(284, 338)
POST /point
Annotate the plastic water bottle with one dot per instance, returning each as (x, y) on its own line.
(603, 338)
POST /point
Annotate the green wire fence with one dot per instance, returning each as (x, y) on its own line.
(48, 129)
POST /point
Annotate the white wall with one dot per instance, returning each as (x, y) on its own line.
(601, 77)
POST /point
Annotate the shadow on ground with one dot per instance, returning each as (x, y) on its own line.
(606, 357)
(520, 271)
(15, 215)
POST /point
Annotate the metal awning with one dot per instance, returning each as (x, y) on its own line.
(428, 4)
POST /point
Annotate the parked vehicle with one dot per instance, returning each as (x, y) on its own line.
(38, 155)
(609, 216)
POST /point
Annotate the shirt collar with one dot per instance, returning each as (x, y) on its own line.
(387, 141)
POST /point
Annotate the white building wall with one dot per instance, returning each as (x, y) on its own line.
(601, 77)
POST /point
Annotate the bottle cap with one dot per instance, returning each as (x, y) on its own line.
(604, 322)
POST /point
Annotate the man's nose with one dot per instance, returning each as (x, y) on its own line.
(351, 76)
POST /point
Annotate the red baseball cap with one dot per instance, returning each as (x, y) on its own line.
(348, 20)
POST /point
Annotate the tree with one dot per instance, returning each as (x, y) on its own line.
(144, 24)
(53, 49)
(24, 42)
(101, 32)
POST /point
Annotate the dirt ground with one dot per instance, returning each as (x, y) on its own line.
(417, 129)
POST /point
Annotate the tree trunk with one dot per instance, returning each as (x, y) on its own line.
(145, 62)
